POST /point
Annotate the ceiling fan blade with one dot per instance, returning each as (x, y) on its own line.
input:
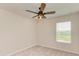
(44, 17)
(42, 7)
(51, 12)
(34, 16)
(31, 11)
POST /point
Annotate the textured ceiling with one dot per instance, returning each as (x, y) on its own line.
(60, 8)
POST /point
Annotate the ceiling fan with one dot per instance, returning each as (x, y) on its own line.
(41, 14)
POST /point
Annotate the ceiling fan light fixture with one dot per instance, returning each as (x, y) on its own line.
(40, 17)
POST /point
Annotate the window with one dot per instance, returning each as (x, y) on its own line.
(63, 32)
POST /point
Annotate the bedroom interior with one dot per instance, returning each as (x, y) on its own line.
(39, 29)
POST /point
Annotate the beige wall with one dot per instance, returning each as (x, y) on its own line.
(47, 31)
(16, 32)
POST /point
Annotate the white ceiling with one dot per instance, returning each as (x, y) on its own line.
(60, 8)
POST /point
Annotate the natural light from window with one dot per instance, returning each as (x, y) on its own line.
(63, 32)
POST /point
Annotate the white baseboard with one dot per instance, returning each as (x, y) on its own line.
(10, 54)
(60, 49)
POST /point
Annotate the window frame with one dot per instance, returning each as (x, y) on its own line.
(63, 41)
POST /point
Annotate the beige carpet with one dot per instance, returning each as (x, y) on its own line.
(43, 51)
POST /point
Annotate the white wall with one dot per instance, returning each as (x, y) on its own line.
(16, 32)
(47, 31)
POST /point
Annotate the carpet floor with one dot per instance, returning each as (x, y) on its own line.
(43, 51)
